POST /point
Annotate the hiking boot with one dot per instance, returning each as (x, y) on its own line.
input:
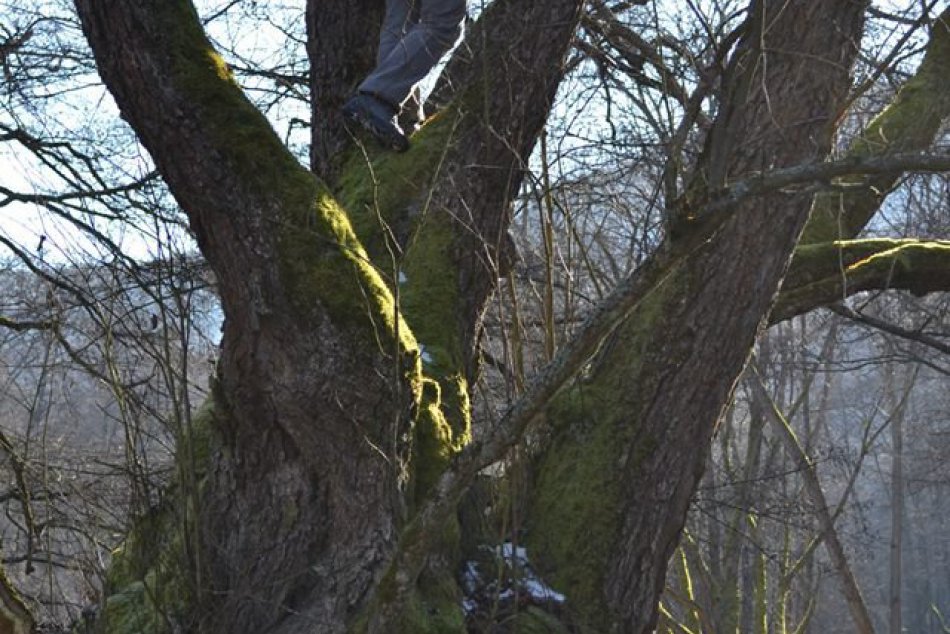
(378, 118)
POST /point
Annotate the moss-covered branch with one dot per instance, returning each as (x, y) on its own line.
(824, 273)
(910, 123)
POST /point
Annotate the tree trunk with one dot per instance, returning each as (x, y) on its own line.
(324, 428)
(628, 443)
(342, 38)
(302, 500)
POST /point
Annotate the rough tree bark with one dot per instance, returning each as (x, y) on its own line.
(323, 420)
(637, 429)
(341, 46)
(337, 442)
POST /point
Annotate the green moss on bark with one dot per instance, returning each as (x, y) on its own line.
(389, 199)
(573, 513)
(576, 500)
(385, 192)
(430, 301)
(320, 258)
(435, 605)
(824, 273)
(327, 271)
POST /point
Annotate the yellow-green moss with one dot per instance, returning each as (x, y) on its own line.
(148, 588)
(388, 197)
(385, 192)
(574, 510)
(822, 272)
(433, 440)
(430, 300)
(321, 259)
(324, 264)
(243, 136)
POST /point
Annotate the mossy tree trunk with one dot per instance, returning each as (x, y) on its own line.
(326, 422)
(638, 428)
(353, 302)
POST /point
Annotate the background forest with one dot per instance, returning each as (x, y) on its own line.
(827, 488)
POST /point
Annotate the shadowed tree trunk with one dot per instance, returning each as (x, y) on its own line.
(338, 440)
(638, 428)
(323, 419)
(342, 37)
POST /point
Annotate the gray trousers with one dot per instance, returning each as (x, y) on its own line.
(414, 37)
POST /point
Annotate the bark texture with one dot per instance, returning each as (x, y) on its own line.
(342, 38)
(637, 430)
(15, 618)
(351, 331)
(320, 383)
(302, 501)
(503, 97)
(910, 123)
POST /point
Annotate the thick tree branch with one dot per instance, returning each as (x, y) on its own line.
(823, 274)
(503, 96)
(909, 124)
(821, 174)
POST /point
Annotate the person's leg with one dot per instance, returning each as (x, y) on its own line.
(427, 29)
(413, 56)
(400, 15)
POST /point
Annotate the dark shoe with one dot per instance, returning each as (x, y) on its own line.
(378, 118)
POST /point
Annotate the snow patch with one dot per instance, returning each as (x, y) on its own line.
(541, 591)
(513, 582)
